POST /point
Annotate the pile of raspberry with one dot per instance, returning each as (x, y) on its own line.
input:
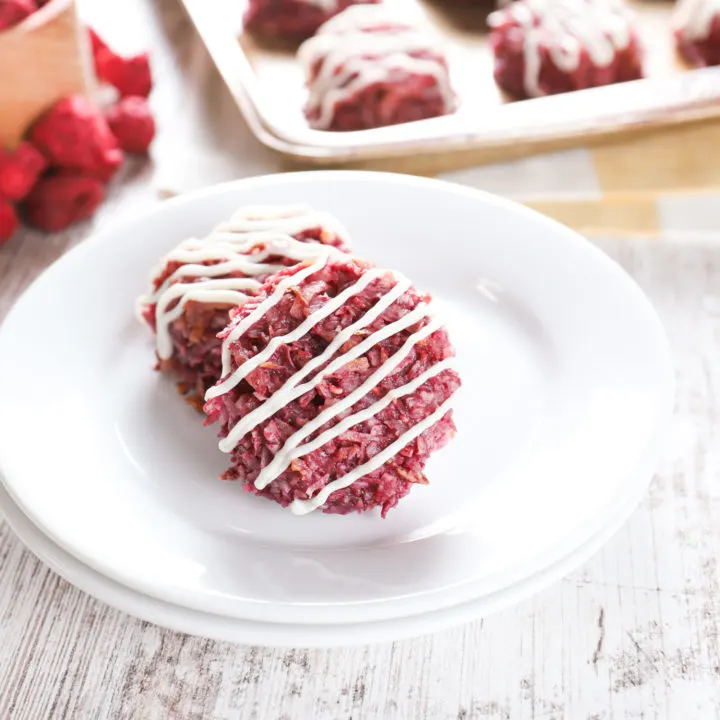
(57, 175)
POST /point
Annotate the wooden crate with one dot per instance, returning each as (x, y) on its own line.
(43, 59)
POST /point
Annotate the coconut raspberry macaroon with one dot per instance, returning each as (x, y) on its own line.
(337, 386)
(544, 47)
(365, 68)
(697, 31)
(293, 19)
(197, 283)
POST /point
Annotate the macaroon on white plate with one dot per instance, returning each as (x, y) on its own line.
(568, 389)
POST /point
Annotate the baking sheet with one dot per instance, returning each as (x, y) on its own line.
(267, 83)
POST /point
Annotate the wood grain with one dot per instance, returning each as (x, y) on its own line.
(621, 215)
(633, 634)
(665, 159)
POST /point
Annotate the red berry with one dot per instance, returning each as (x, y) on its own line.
(13, 12)
(19, 170)
(9, 222)
(97, 42)
(74, 135)
(130, 76)
(132, 124)
(59, 200)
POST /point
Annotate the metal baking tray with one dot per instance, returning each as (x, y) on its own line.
(267, 85)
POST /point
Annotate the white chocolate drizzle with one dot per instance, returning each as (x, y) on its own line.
(233, 246)
(694, 18)
(303, 507)
(361, 46)
(564, 28)
(291, 390)
(326, 364)
(288, 454)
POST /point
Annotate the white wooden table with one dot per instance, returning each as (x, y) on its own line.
(633, 634)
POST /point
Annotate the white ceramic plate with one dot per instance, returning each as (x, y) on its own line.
(229, 629)
(567, 392)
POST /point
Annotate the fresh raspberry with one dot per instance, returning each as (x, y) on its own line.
(132, 124)
(130, 76)
(74, 135)
(9, 222)
(59, 200)
(13, 12)
(97, 42)
(19, 170)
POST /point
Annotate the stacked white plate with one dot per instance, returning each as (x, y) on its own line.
(112, 480)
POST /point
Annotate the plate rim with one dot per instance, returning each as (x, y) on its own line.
(199, 623)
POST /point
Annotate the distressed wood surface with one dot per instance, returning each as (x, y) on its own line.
(635, 633)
